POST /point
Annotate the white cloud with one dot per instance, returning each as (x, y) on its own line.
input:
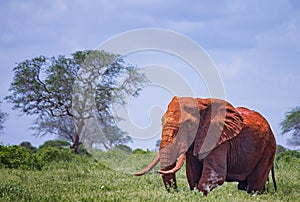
(51, 11)
(186, 26)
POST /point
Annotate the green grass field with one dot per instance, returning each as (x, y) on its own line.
(111, 179)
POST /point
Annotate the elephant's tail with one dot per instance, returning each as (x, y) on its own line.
(273, 178)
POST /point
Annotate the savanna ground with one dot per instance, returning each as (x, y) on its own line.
(110, 178)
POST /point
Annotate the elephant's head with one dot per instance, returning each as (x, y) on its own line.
(204, 122)
(180, 124)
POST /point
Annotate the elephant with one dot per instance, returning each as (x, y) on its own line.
(218, 142)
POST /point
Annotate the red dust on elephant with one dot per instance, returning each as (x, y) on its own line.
(218, 142)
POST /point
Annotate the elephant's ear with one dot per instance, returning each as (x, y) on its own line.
(219, 122)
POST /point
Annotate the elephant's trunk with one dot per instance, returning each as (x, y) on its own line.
(170, 181)
(177, 166)
(149, 167)
(169, 167)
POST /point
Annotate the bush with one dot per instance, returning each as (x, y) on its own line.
(14, 156)
(280, 149)
(124, 148)
(288, 156)
(140, 151)
(48, 155)
(28, 145)
(21, 157)
(83, 151)
(61, 144)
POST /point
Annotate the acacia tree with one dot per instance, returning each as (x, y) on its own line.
(3, 116)
(291, 124)
(70, 94)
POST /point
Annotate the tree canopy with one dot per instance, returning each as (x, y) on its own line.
(3, 117)
(71, 94)
(291, 125)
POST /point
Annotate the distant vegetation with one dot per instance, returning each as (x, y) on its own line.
(288, 156)
(291, 125)
(25, 156)
(3, 117)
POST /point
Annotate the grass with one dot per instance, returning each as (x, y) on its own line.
(106, 180)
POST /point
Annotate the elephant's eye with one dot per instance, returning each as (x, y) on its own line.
(189, 125)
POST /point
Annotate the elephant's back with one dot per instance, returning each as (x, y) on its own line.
(254, 123)
(253, 120)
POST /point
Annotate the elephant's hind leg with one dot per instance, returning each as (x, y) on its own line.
(259, 176)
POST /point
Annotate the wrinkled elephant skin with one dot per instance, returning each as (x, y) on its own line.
(218, 142)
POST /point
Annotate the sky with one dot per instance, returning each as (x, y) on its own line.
(254, 45)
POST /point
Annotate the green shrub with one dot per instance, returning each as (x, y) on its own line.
(83, 151)
(288, 156)
(48, 155)
(140, 151)
(21, 157)
(28, 146)
(280, 149)
(14, 156)
(61, 144)
(124, 148)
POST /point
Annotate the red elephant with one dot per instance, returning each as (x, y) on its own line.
(219, 142)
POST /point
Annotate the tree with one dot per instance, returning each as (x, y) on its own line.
(279, 149)
(60, 144)
(157, 145)
(124, 148)
(70, 95)
(291, 124)
(3, 117)
(28, 146)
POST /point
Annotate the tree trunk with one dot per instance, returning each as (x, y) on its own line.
(75, 145)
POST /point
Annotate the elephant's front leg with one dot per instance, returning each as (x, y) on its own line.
(242, 185)
(193, 170)
(214, 169)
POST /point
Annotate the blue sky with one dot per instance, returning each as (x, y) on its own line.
(255, 46)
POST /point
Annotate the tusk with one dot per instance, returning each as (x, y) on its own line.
(148, 168)
(176, 168)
